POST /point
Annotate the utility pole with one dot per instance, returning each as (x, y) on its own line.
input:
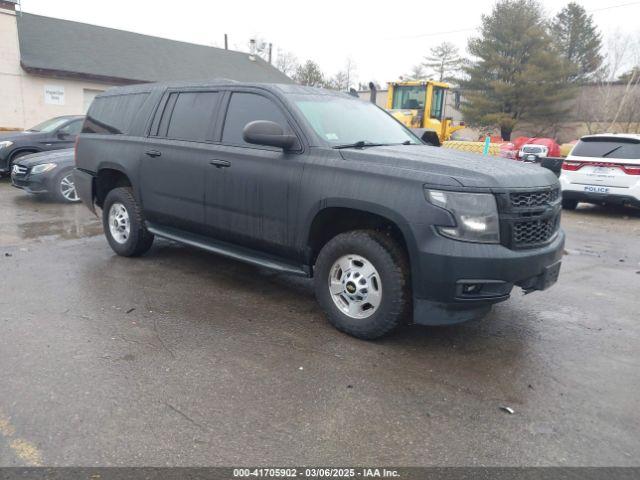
(270, 49)
(226, 42)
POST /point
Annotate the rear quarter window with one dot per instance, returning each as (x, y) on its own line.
(607, 148)
(113, 114)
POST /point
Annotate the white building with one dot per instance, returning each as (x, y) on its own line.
(51, 67)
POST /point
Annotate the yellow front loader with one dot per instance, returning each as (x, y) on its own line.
(420, 105)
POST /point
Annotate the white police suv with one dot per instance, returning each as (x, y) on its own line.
(602, 169)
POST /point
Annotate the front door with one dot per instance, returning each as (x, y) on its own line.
(251, 194)
(65, 136)
(175, 160)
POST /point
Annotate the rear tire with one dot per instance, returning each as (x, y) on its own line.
(123, 224)
(362, 283)
(569, 204)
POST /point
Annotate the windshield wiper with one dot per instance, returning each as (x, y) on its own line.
(360, 144)
(611, 151)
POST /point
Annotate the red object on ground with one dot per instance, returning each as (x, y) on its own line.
(508, 150)
(520, 141)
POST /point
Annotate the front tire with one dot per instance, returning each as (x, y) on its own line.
(124, 224)
(569, 204)
(64, 188)
(362, 283)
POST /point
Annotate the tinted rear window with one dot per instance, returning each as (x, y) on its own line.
(607, 148)
(191, 116)
(113, 114)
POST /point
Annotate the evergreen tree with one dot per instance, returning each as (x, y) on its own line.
(309, 74)
(516, 74)
(444, 62)
(578, 40)
(417, 73)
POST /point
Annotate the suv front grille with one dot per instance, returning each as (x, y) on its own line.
(535, 232)
(534, 199)
(529, 218)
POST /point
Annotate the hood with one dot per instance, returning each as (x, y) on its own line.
(17, 136)
(452, 167)
(55, 156)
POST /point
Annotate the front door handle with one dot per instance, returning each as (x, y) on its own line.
(153, 153)
(219, 163)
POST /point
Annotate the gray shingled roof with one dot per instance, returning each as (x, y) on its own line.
(79, 49)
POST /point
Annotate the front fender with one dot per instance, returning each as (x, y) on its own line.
(369, 207)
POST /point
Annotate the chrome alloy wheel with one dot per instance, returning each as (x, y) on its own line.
(68, 188)
(119, 224)
(355, 286)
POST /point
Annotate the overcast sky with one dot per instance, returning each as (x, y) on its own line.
(383, 40)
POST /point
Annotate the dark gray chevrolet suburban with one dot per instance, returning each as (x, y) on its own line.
(320, 184)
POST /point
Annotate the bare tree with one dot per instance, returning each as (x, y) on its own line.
(610, 103)
(287, 63)
(630, 114)
(350, 72)
(345, 78)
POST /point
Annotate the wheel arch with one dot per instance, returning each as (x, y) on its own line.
(25, 149)
(107, 178)
(335, 216)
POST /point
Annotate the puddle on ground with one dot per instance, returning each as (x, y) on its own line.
(63, 228)
(26, 218)
(66, 229)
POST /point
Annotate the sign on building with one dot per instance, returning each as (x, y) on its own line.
(54, 95)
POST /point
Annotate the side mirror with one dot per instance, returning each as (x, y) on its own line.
(263, 132)
(64, 136)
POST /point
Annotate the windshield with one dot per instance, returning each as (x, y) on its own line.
(341, 121)
(532, 149)
(49, 125)
(409, 97)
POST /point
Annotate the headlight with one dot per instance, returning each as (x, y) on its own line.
(43, 167)
(5, 144)
(476, 215)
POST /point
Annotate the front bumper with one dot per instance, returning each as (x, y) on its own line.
(30, 183)
(457, 281)
(4, 161)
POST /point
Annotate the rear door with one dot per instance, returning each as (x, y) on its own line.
(175, 160)
(605, 161)
(252, 190)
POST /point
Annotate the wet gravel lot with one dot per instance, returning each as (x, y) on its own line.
(185, 358)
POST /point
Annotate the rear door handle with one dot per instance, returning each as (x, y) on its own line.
(153, 153)
(219, 163)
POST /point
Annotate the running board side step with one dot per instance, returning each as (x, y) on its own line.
(231, 251)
